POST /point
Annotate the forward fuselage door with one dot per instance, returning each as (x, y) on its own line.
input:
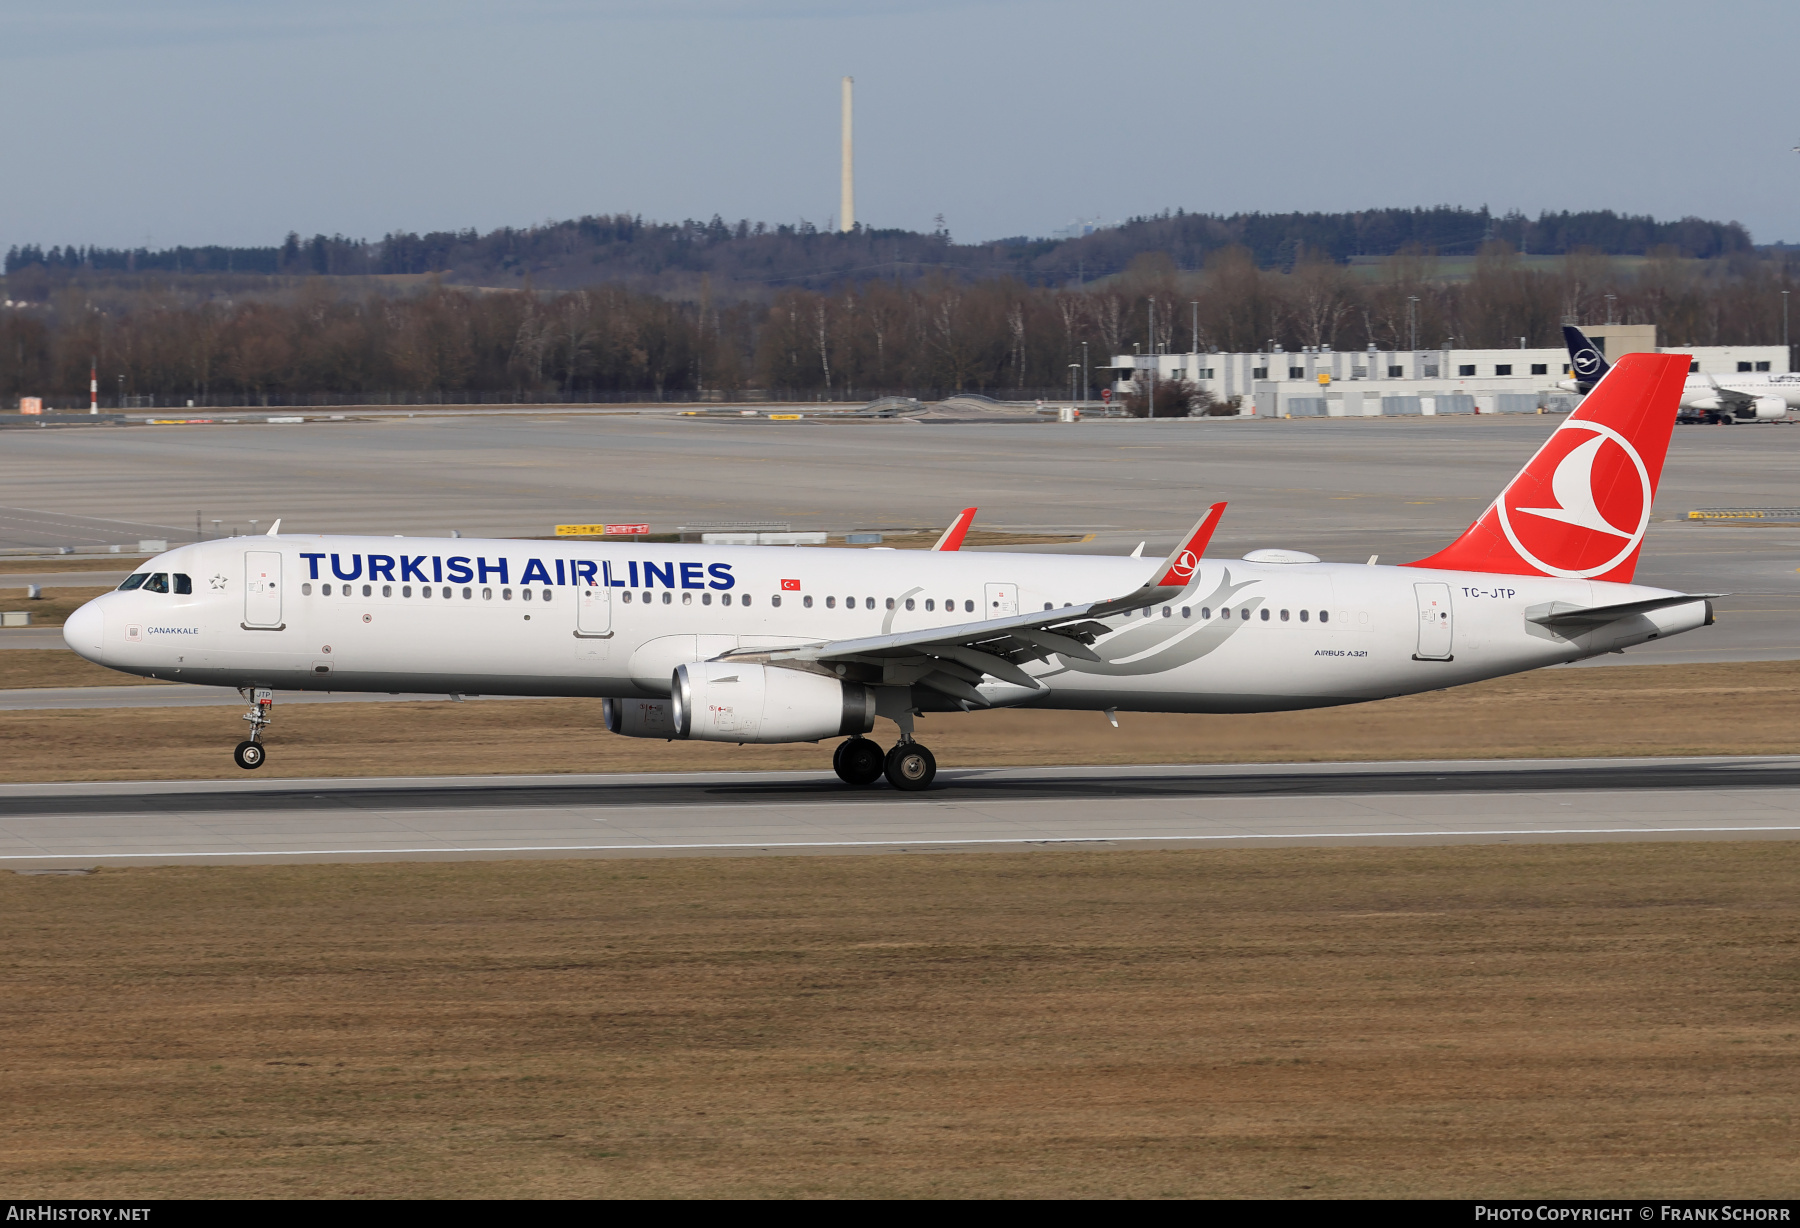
(593, 611)
(262, 589)
(1436, 624)
(1002, 600)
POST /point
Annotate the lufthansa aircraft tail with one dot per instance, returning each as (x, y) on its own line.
(1586, 363)
(1579, 508)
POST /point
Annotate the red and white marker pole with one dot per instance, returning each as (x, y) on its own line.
(94, 387)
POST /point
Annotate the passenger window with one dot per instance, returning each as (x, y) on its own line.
(133, 581)
(546, 595)
(775, 601)
(367, 590)
(406, 590)
(625, 596)
(890, 603)
(909, 603)
(1049, 605)
(425, 591)
(1302, 615)
(506, 594)
(668, 598)
(468, 594)
(158, 583)
(1284, 616)
(687, 599)
(183, 585)
(807, 601)
(487, 594)
(724, 598)
(1265, 613)
(387, 590)
(1167, 612)
(968, 607)
(930, 605)
(306, 590)
(831, 603)
(705, 598)
(1222, 613)
(1187, 611)
(869, 603)
(325, 589)
(447, 592)
(1205, 612)
(525, 594)
(1324, 616)
(744, 600)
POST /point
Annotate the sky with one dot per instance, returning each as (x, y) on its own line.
(163, 122)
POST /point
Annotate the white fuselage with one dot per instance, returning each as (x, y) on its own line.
(511, 617)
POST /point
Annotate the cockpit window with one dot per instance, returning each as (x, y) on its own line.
(183, 585)
(158, 583)
(133, 581)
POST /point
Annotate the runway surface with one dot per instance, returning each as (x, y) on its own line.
(52, 826)
(182, 695)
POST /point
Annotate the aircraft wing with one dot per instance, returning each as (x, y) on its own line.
(1730, 397)
(953, 659)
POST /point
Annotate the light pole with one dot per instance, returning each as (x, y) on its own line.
(1609, 309)
(1086, 388)
(1412, 321)
(1195, 308)
(1784, 318)
(1073, 368)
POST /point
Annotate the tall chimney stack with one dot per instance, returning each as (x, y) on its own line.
(848, 210)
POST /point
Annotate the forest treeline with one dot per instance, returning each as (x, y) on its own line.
(1000, 336)
(756, 260)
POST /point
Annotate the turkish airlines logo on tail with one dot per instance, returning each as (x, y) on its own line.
(1184, 566)
(1581, 506)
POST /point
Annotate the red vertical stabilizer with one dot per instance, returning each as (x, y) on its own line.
(1579, 508)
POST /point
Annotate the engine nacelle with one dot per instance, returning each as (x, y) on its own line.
(1771, 407)
(639, 718)
(720, 701)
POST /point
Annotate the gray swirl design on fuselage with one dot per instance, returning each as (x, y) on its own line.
(1133, 648)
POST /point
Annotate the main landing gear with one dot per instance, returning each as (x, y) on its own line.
(908, 766)
(250, 753)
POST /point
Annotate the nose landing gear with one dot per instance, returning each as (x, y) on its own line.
(250, 753)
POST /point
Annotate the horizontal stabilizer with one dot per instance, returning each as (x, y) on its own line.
(1564, 616)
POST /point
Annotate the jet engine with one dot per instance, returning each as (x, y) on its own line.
(638, 718)
(1771, 407)
(721, 701)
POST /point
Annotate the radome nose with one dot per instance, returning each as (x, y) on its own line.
(85, 631)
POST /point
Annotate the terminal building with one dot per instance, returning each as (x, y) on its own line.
(1322, 381)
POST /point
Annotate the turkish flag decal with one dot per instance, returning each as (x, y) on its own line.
(790, 586)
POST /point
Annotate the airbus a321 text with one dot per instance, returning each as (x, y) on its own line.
(778, 644)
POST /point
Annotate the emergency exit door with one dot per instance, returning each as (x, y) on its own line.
(262, 590)
(1436, 624)
(1002, 600)
(593, 611)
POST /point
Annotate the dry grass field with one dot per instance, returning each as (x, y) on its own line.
(1580, 1020)
(1741, 708)
(53, 607)
(69, 562)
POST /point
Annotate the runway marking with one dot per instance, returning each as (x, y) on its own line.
(900, 843)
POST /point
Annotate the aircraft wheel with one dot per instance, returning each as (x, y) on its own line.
(249, 755)
(858, 761)
(910, 767)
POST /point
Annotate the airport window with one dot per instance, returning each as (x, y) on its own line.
(1206, 372)
(831, 603)
(487, 594)
(132, 581)
(930, 605)
(1303, 615)
(387, 590)
(1540, 368)
(686, 598)
(909, 603)
(1284, 615)
(183, 584)
(807, 601)
(305, 589)
(705, 598)
(1324, 616)
(1761, 366)
(1296, 372)
(158, 583)
(1743, 366)
(1693, 368)
(1430, 372)
(506, 594)
(1396, 371)
(775, 601)
(1467, 368)
(1504, 368)
(1259, 373)
(468, 594)
(406, 590)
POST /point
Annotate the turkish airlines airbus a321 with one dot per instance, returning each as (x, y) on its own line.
(776, 644)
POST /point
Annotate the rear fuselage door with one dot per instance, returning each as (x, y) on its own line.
(262, 589)
(1435, 622)
(1002, 600)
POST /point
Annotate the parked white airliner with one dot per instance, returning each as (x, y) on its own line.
(1744, 397)
(780, 644)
